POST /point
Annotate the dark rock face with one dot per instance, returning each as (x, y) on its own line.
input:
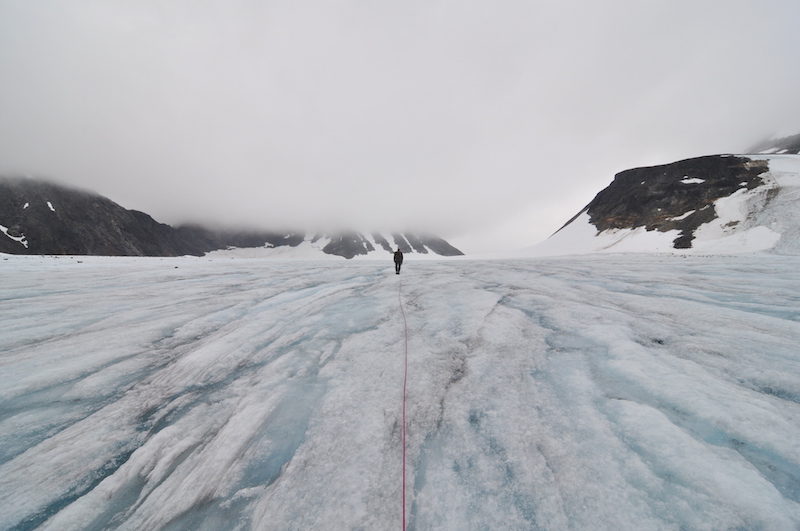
(380, 240)
(348, 245)
(401, 243)
(439, 246)
(409, 242)
(351, 244)
(416, 243)
(672, 196)
(58, 220)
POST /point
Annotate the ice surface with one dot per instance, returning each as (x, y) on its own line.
(606, 392)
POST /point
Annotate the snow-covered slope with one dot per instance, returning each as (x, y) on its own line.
(358, 245)
(604, 393)
(783, 143)
(762, 214)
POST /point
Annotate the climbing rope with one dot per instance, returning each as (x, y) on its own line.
(405, 382)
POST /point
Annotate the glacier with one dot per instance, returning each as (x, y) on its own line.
(619, 391)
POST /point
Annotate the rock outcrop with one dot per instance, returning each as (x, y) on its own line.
(679, 195)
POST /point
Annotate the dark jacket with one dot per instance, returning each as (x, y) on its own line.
(398, 256)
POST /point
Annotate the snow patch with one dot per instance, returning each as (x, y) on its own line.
(687, 180)
(19, 239)
(50, 206)
(683, 216)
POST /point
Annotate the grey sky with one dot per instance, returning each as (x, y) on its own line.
(488, 123)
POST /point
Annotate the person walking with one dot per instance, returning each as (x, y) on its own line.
(398, 261)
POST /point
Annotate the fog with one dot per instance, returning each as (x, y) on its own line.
(487, 123)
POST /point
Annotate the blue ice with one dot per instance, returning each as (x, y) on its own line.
(615, 392)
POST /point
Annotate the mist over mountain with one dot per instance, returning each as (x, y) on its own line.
(39, 217)
(780, 145)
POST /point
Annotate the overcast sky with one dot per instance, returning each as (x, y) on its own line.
(489, 123)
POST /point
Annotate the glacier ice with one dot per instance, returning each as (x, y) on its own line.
(606, 392)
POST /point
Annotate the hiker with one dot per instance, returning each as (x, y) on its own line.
(398, 261)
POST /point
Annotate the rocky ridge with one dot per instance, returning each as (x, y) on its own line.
(717, 204)
(677, 196)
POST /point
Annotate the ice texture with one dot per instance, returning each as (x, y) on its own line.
(624, 392)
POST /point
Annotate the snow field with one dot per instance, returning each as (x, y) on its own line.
(607, 392)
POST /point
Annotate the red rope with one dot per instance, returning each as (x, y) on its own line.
(405, 382)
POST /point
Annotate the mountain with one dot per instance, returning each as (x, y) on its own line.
(39, 217)
(711, 204)
(779, 144)
(349, 245)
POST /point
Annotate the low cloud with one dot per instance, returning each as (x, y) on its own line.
(488, 123)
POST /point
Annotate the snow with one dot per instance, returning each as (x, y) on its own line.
(312, 250)
(598, 392)
(687, 180)
(50, 206)
(683, 216)
(305, 251)
(20, 239)
(581, 237)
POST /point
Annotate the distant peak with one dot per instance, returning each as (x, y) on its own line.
(783, 143)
